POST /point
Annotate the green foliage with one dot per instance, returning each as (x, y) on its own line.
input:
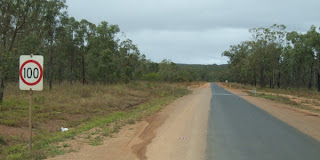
(15, 156)
(151, 77)
(2, 141)
(171, 72)
(275, 57)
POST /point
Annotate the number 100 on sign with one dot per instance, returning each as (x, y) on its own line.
(31, 72)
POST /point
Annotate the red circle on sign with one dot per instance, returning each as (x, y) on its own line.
(41, 73)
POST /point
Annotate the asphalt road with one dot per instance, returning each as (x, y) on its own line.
(238, 130)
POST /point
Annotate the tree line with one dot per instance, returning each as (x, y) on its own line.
(77, 51)
(171, 72)
(275, 57)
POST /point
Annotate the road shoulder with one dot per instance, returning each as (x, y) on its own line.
(183, 135)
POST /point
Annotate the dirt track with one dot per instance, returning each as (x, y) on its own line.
(183, 135)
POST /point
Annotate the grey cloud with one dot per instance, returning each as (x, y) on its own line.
(188, 46)
(135, 15)
(195, 31)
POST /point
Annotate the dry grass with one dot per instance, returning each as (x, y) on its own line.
(304, 99)
(71, 106)
(302, 92)
(72, 102)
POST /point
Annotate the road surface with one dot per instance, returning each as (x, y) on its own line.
(239, 130)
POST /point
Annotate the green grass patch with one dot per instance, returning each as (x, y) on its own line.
(281, 99)
(96, 141)
(106, 131)
(2, 141)
(131, 121)
(65, 145)
(15, 156)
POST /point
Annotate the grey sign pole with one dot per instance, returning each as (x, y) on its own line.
(30, 123)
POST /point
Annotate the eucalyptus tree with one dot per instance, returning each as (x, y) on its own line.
(66, 46)
(52, 11)
(278, 56)
(103, 53)
(15, 16)
(267, 46)
(168, 71)
(303, 57)
(311, 53)
(83, 37)
(237, 55)
(131, 60)
(313, 41)
(278, 43)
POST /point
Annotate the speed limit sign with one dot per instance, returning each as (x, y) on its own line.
(31, 72)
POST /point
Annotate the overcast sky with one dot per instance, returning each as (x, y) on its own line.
(194, 31)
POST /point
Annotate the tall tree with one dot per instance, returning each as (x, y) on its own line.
(85, 32)
(313, 42)
(51, 20)
(14, 17)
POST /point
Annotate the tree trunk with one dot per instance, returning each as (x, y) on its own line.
(71, 68)
(273, 78)
(298, 78)
(51, 61)
(310, 81)
(2, 71)
(60, 78)
(261, 79)
(255, 81)
(83, 71)
(2, 83)
(270, 83)
(279, 77)
(318, 75)
(317, 70)
(1, 89)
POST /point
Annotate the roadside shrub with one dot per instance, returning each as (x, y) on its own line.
(2, 141)
(181, 79)
(151, 77)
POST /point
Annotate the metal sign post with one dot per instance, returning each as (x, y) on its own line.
(30, 122)
(31, 79)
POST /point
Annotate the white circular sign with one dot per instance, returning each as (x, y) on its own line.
(31, 72)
